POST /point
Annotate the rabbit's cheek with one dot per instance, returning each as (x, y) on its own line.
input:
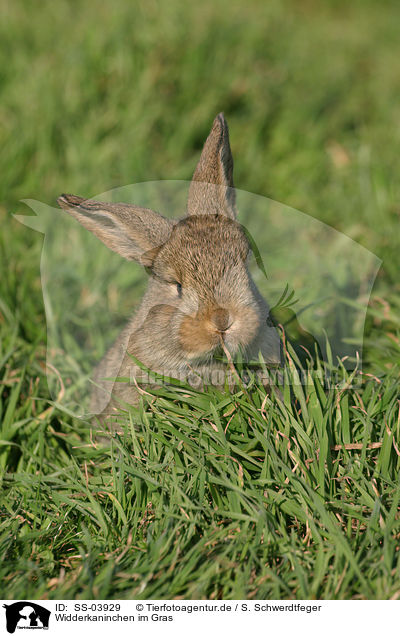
(195, 338)
(244, 328)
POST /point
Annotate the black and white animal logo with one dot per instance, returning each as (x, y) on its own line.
(26, 615)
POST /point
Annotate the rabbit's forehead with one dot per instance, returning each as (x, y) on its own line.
(200, 234)
(204, 250)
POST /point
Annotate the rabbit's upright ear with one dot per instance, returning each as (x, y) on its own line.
(134, 233)
(211, 190)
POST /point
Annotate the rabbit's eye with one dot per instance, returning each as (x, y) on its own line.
(179, 289)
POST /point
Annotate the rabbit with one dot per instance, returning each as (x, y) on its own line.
(200, 296)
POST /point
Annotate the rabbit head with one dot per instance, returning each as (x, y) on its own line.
(203, 269)
(200, 292)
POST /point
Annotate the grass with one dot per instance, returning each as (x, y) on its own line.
(199, 495)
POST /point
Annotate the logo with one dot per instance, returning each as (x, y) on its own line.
(26, 615)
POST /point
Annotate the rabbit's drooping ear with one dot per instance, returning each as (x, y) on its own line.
(133, 232)
(211, 190)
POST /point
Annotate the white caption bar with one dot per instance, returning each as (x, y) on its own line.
(310, 618)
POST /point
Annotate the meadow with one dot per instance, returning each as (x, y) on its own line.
(199, 494)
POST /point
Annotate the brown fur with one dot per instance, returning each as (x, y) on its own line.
(200, 290)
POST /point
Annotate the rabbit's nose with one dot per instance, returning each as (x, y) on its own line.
(221, 319)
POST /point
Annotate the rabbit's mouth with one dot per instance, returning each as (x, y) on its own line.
(215, 355)
(202, 338)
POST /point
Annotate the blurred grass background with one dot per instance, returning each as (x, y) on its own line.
(98, 95)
